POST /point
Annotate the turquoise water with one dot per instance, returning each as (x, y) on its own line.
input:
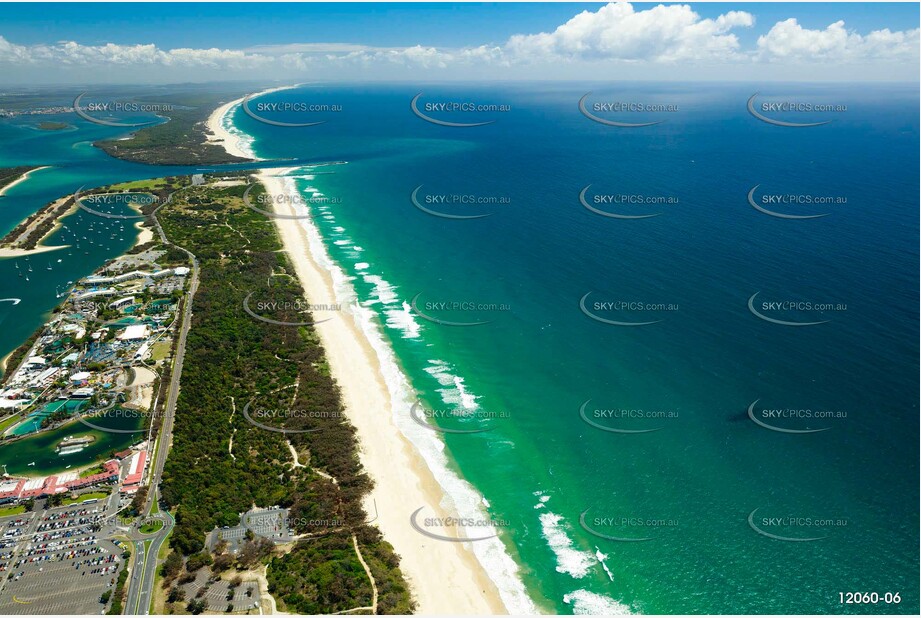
(87, 242)
(695, 481)
(75, 163)
(691, 486)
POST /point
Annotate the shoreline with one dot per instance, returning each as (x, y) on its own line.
(218, 135)
(445, 578)
(8, 252)
(12, 249)
(22, 178)
(145, 234)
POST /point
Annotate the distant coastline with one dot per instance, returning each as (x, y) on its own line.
(219, 135)
(180, 140)
(24, 176)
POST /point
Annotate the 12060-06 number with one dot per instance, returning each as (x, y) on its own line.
(869, 598)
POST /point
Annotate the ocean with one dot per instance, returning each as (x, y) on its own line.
(690, 505)
(625, 463)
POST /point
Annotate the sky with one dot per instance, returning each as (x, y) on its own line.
(202, 42)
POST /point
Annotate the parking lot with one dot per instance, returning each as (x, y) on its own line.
(215, 593)
(271, 524)
(57, 561)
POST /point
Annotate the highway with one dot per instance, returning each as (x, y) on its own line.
(141, 581)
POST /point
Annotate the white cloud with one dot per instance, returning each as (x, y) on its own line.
(74, 54)
(788, 40)
(10, 52)
(652, 40)
(618, 32)
(316, 48)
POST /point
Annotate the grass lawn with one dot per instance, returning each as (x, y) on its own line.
(6, 511)
(159, 350)
(97, 495)
(151, 527)
(91, 471)
(164, 548)
(161, 556)
(9, 421)
(139, 185)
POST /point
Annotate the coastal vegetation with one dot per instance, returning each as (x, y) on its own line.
(234, 361)
(182, 139)
(18, 355)
(34, 228)
(49, 125)
(9, 175)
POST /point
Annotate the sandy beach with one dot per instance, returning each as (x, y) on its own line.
(446, 578)
(13, 250)
(22, 178)
(220, 136)
(145, 233)
(7, 252)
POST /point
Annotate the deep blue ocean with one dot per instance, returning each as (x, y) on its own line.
(708, 511)
(691, 486)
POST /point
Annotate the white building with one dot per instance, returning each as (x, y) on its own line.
(35, 362)
(142, 352)
(135, 332)
(80, 376)
(127, 300)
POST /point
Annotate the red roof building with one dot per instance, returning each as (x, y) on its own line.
(135, 470)
(23, 489)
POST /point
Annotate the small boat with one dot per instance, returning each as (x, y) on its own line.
(32, 464)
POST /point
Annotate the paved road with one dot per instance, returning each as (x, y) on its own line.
(141, 582)
(145, 569)
(134, 581)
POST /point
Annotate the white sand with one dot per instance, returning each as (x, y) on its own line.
(220, 136)
(145, 234)
(143, 375)
(445, 577)
(6, 252)
(22, 178)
